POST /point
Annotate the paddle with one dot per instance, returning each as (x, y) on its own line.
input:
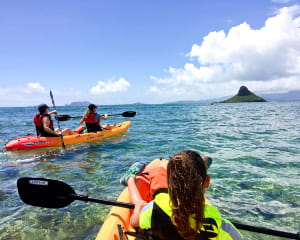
(68, 117)
(48, 193)
(61, 136)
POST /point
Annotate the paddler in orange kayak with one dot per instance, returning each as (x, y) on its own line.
(44, 124)
(180, 210)
(92, 119)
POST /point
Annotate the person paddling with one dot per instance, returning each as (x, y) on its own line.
(180, 211)
(44, 124)
(92, 119)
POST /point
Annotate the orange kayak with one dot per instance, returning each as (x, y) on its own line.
(120, 217)
(33, 142)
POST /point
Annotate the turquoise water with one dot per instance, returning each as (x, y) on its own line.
(255, 174)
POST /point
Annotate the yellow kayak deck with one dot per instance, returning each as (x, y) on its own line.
(117, 129)
(121, 216)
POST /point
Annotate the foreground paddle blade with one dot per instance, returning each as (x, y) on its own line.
(128, 114)
(42, 192)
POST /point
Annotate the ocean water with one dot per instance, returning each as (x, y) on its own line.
(255, 175)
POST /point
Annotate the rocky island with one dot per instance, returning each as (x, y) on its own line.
(244, 95)
(76, 104)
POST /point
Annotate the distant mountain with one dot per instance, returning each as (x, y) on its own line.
(210, 100)
(287, 96)
(138, 103)
(244, 95)
(76, 104)
(187, 102)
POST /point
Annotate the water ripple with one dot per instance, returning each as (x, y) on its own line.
(254, 176)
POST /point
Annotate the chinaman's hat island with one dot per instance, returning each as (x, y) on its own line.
(244, 95)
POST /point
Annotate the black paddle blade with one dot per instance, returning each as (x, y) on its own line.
(63, 117)
(52, 99)
(42, 192)
(128, 114)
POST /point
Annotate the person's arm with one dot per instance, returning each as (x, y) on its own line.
(53, 112)
(136, 199)
(104, 117)
(46, 123)
(82, 120)
(135, 217)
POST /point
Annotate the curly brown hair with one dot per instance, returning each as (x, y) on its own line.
(186, 174)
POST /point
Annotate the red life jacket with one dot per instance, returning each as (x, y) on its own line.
(91, 119)
(38, 122)
(91, 124)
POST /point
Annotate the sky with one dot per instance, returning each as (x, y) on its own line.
(120, 52)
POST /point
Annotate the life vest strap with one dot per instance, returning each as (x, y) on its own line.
(161, 190)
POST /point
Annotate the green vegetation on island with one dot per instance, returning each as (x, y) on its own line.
(244, 95)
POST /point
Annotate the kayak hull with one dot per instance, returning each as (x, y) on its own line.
(121, 216)
(34, 142)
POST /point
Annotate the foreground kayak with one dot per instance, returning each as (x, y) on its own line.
(33, 142)
(118, 219)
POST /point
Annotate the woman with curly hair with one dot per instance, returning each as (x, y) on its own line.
(180, 212)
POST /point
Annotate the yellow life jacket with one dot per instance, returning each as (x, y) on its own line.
(157, 216)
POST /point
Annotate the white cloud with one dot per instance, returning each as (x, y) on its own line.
(34, 87)
(110, 86)
(19, 96)
(265, 59)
